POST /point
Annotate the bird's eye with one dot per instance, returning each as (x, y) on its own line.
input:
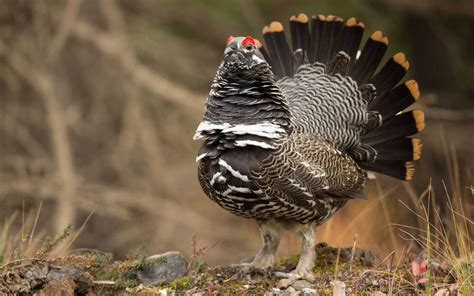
(229, 39)
(248, 43)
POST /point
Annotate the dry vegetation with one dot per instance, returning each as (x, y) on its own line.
(99, 101)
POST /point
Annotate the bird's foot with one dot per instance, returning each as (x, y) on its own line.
(243, 267)
(297, 275)
(251, 271)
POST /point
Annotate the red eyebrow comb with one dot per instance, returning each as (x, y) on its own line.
(247, 40)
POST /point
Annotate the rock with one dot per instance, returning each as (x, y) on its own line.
(309, 292)
(442, 292)
(339, 288)
(36, 275)
(291, 291)
(83, 280)
(60, 286)
(283, 283)
(163, 268)
(301, 284)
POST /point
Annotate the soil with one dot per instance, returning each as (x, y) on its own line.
(94, 273)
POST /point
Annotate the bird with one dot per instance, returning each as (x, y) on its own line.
(293, 130)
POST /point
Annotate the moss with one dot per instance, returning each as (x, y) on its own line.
(292, 260)
(199, 266)
(179, 284)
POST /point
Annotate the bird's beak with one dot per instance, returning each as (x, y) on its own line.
(231, 55)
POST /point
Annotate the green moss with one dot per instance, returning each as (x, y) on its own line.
(179, 284)
(101, 258)
(292, 260)
(199, 266)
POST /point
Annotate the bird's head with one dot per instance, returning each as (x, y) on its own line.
(241, 53)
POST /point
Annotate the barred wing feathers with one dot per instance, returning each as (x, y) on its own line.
(310, 178)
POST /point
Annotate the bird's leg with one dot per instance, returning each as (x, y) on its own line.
(304, 269)
(266, 255)
(270, 239)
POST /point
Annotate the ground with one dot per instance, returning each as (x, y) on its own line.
(94, 273)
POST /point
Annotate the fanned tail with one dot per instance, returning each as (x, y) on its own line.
(387, 145)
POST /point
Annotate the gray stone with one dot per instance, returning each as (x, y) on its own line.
(339, 288)
(163, 268)
(291, 292)
(301, 284)
(309, 292)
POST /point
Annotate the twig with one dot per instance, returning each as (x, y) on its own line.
(64, 28)
(35, 223)
(42, 82)
(353, 253)
(144, 76)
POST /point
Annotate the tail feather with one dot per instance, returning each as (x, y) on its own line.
(400, 126)
(370, 57)
(331, 36)
(397, 99)
(318, 25)
(391, 73)
(351, 37)
(386, 145)
(402, 170)
(263, 50)
(278, 49)
(299, 31)
(399, 149)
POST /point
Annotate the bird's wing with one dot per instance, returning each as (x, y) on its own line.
(305, 169)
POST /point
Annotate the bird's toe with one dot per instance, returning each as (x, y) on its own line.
(296, 276)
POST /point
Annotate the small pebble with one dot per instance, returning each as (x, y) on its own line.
(291, 292)
(339, 288)
(301, 284)
(283, 283)
(309, 292)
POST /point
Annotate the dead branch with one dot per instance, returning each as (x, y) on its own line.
(116, 47)
(41, 81)
(64, 28)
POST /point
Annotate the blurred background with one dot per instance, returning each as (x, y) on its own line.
(99, 101)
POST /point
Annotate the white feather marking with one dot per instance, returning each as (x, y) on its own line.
(264, 129)
(358, 54)
(243, 143)
(257, 59)
(214, 177)
(371, 176)
(234, 173)
(209, 126)
(226, 192)
(239, 189)
(200, 156)
(316, 172)
(235, 197)
(302, 188)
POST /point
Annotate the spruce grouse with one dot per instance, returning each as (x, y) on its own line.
(291, 133)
